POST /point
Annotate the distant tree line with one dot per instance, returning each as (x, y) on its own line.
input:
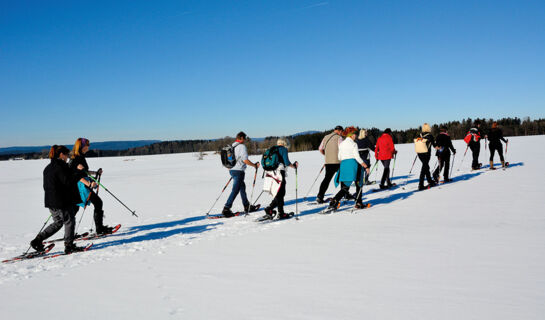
(311, 141)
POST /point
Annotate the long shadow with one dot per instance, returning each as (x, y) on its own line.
(158, 235)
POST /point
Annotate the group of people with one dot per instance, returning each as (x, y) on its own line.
(67, 187)
(347, 155)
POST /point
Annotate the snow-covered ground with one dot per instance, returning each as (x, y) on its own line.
(472, 249)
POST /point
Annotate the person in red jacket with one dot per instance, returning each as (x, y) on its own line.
(384, 151)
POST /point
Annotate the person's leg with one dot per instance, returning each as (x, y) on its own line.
(243, 195)
(236, 187)
(98, 213)
(437, 171)
(421, 156)
(447, 166)
(385, 180)
(427, 168)
(69, 221)
(53, 227)
(330, 170)
(281, 194)
(343, 192)
(500, 153)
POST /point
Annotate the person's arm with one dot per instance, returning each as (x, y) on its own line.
(322, 146)
(501, 136)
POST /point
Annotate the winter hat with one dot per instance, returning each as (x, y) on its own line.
(494, 125)
(388, 131)
(363, 134)
(340, 128)
(281, 142)
(349, 131)
(426, 128)
(443, 129)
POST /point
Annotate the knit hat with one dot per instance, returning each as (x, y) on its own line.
(349, 131)
(363, 134)
(426, 128)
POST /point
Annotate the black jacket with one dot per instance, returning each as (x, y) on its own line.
(494, 137)
(364, 146)
(60, 185)
(77, 160)
(444, 143)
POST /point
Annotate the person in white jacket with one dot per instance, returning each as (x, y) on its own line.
(348, 171)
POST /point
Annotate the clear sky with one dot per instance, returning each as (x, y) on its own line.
(131, 70)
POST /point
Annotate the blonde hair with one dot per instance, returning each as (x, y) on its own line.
(281, 142)
(426, 128)
(363, 134)
(80, 143)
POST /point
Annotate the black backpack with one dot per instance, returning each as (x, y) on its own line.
(228, 158)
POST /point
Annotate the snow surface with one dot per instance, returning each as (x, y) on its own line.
(472, 249)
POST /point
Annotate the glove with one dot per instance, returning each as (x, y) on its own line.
(454, 152)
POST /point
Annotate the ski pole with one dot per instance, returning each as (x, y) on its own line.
(259, 196)
(296, 197)
(463, 158)
(305, 198)
(253, 187)
(103, 187)
(394, 167)
(39, 232)
(407, 180)
(208, 213)
(506, 146)
(452, 164)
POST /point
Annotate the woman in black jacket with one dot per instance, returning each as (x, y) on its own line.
(61, 197)
(79, 164)
(495, 136)
(444, 146)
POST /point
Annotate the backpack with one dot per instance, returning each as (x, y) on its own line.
(227, 155)
(271, 159)
(421, 145)
(470, 136)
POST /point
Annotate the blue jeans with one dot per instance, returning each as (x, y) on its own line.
(238, 186)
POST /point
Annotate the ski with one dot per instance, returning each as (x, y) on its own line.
(30, 255)
(86, 248)
(77, 237)
(98, 236)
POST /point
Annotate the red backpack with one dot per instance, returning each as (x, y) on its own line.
(470, 136)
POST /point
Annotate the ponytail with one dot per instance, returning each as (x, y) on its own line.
(52, 151)
(56, 151)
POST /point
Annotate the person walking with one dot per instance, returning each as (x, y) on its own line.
(284, 162)
(423, 148)
(61, 198)
(237, 173)
(329, 147)
(473, 139)
(77, 160)
(348, 170)
(444, 146)
(495, 136)
(385, 151)
(365, 146)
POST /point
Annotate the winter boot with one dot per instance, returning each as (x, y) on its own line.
(251, 208)
(320, 200)
(227, 212)
(37, 244)
(270, 212)
(492, 165)
(104, 230)
(72, 248)
(503, 164)
(333, 205)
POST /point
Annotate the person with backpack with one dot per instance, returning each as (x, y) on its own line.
(443, 144)
(473, 140)
(77, 160)
(348, 170)
(329, 147)
(385, 151)
(365, 146)
(495, 136)
(280, 166)
(423, 146)
(237, 173)
(61, 198)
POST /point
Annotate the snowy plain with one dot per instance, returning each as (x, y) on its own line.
(471, 249)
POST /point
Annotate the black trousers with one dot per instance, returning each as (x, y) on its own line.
(278, 201)
(386, 173)
(425, 171)
(495, 147)
(99, 213)
(330, 170)
(345, 190)
(444, 162)
(475, 149)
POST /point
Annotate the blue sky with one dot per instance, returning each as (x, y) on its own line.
(130, 70)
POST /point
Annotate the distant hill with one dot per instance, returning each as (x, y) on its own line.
(106, 145)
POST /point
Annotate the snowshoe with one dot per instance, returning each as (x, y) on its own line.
(361, 205)
(333, 206)
(30, 255)
(252, 208)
